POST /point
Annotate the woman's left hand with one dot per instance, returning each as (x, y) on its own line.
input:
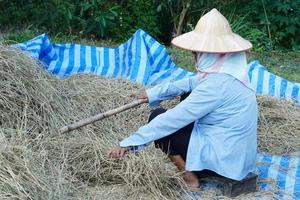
(117, 152)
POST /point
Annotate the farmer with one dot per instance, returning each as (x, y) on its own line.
(213, 129)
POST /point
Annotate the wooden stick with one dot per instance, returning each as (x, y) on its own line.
(100, 116)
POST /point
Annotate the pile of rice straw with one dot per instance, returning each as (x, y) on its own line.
(279, 126)
(37, 162)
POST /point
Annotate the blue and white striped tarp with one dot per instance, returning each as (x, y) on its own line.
(143, 60)
(283, 171)
(269, 84)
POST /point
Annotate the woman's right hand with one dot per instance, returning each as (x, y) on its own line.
(117, 152)
(143, 96)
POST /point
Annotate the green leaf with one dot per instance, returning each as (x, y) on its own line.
(159, 8)
(87, 6)
(103, 22)
(291, 29)
(114, 13)
(69, 15)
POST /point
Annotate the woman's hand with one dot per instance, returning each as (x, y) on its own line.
(117, 152)
(143, 96)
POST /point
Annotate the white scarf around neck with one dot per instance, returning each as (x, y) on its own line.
(234, 64)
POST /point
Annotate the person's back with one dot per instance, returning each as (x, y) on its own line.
(229, 131)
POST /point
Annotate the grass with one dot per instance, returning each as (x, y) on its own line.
(285, 64)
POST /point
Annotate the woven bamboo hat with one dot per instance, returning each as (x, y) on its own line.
(212, 34)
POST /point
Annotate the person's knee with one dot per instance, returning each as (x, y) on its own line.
(155, 113)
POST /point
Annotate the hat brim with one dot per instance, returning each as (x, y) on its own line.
(193, 41)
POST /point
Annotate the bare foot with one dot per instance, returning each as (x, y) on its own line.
(191, 179)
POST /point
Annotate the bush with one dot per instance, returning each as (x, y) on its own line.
(271, 23)
(268, 24)
(89, 17)
(98, 17)
(55, 15)
(284, 21)
(135, 14)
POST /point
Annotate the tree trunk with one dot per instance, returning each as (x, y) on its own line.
(185, 9)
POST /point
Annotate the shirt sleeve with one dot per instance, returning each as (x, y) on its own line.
(203, 99)
(136, 149)
(170, 89)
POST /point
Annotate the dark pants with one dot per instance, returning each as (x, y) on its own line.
(177, 143)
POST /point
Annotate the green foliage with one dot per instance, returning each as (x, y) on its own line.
(91, 17)
(48, 14)
(243, 27)
(55, 14)
(269, 24)
(13, 11)
(284, 22)
(17, 37)
(273, 24)
(189, 11)
(135, 14)
(96, 18)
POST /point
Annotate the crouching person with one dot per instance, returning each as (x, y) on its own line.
(213, 129)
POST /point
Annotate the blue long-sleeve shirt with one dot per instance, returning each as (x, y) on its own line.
(225, 115)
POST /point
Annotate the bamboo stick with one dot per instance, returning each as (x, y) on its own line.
(100, 116)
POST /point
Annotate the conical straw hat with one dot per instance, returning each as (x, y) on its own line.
(212, 34)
